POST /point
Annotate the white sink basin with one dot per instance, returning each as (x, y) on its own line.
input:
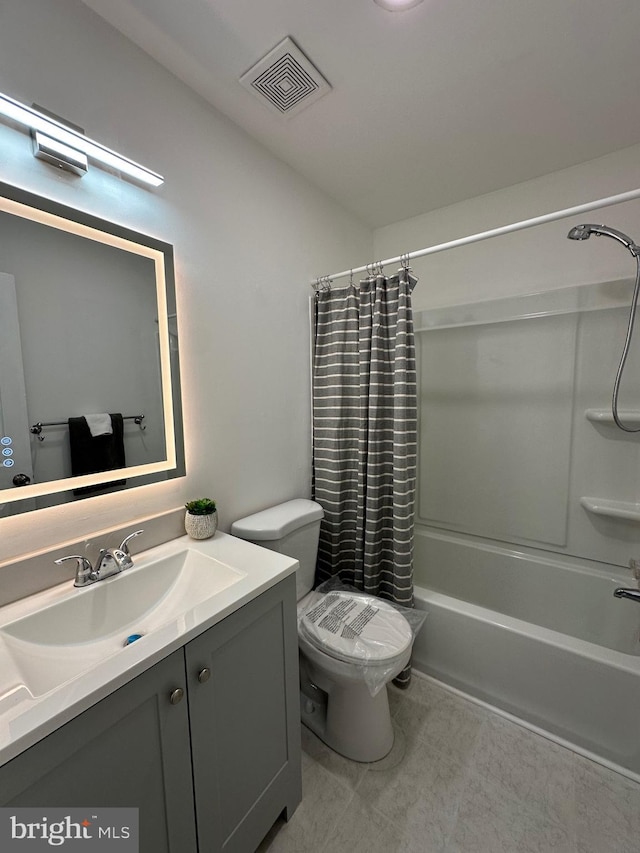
(63, 649)
(63, 639)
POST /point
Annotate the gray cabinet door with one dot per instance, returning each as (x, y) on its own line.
(245, 722)
(131, 749)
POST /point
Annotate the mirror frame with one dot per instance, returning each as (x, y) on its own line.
(21, 203)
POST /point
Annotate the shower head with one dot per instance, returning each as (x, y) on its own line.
(580, 232)
(583, 232)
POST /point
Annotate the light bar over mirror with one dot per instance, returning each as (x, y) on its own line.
(87, 326)
(62, 136)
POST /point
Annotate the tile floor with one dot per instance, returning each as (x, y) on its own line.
(459, 779)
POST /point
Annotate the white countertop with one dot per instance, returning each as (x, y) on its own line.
(25, 718)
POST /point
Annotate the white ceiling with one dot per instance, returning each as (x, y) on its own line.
(449, 100)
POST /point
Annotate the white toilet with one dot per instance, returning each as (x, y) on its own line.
(336, 700)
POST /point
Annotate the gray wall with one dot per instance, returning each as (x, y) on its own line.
(248, 235)
(540, 258)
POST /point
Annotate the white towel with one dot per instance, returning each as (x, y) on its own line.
(99, 424)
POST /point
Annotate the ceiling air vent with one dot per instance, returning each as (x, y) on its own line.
(285, 80)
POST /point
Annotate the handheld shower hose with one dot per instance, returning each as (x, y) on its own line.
(583, 232)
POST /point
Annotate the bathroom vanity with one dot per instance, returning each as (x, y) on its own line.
(199, 730)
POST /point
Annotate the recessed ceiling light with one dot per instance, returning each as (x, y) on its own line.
(397, 5)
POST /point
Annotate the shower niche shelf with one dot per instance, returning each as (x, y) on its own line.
(624, 510)
(605, 416)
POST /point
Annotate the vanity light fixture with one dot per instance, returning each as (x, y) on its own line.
(397, 5)
(70, 149)
(58, 154)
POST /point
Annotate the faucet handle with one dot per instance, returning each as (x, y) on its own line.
(84, 569)
(123, 545)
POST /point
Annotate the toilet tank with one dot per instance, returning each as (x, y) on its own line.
(291, 528)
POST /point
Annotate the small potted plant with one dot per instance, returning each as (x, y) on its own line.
(201, 518)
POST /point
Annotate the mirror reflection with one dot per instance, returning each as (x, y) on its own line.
(89, 390)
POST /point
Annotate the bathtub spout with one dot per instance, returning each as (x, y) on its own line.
(633, 594)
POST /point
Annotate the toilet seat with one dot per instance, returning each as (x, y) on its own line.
(355, 628)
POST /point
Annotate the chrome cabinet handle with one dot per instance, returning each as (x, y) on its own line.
(204, 675)
(176, 696)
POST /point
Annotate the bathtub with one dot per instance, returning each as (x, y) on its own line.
(538, 636)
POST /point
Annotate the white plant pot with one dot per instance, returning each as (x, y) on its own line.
(201, 526)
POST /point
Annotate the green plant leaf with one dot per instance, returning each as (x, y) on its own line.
(201, 506)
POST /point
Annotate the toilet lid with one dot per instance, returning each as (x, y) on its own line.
(356, 627)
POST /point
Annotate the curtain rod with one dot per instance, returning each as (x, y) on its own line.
(493, 232)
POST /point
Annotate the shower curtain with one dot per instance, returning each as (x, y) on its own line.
(364, 436)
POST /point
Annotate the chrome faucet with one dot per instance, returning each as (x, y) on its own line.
(111, 561)
(84, 570)
(621, 592)
(632, 594)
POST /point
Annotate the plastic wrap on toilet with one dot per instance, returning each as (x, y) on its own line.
(369, 633)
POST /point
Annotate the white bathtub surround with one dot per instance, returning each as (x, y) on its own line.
(461, 779)
(535, 635)
(527, 510)
(508, 445)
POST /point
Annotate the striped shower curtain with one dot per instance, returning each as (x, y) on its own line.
(364, 436)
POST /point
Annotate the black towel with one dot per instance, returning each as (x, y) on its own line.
(91, 454)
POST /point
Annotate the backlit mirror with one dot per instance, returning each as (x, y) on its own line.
(87, 330)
